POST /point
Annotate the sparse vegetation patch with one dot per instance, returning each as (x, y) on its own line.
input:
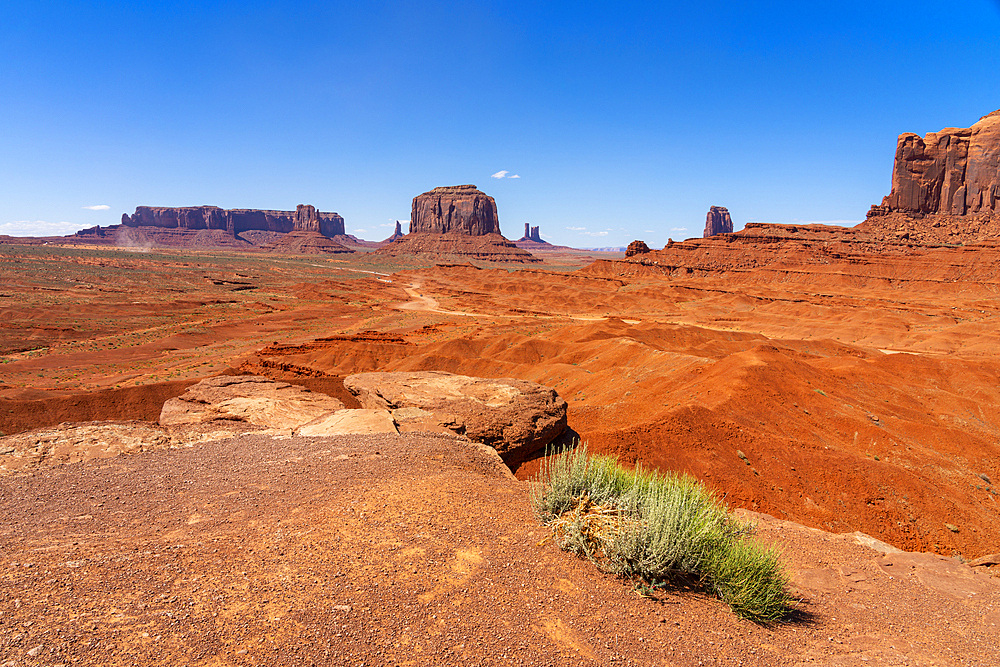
(656, 529)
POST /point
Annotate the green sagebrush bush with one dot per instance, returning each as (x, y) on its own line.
(654, 528)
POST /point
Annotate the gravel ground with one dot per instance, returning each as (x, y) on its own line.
(410, 550)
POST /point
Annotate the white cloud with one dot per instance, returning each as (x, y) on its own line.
(576, 229)
(678, 229)
(360, 231)
(500, 174)
(515, 176)
(648, 231)
(38, 228)
(99, 207)
(594, 233)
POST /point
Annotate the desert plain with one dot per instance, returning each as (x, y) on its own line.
(836, 387)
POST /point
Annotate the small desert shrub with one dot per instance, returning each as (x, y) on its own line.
(653, 528)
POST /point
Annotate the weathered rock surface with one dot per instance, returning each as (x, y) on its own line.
(955, 171)
(515, 417)
(247, 398)
(636, 248)
(234, 220)
(346, 422)
(397, 234)
(82, 441)
(717, 221)
(69, 443)
(459, 208)
(532, 234)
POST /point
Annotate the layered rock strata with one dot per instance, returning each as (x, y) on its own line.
(515, 417)
(717, 221)
(456, 221)
(234, 221)
(531, 234)
(457, 208)
(955, 171)
(636, 248)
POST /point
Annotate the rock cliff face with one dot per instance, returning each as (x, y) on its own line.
(531, 234)
(718, 222)
(397, 234)
(636, 248)
(954, 172)
(234, 221)
(454, 209)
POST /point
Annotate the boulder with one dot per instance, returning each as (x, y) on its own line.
(515, 417)
(459, 208)
(955, 171)
(717, 221)
(247, 398)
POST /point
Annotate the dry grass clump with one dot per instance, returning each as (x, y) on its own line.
(656, 528)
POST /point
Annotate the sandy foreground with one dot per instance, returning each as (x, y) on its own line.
(411, 550)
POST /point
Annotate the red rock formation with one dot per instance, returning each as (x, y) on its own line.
(954, 172)
(234, 221)
(306, 218)
(718, 222)
(532, 235)
(397, 234)
(459, 208)
(636, 248)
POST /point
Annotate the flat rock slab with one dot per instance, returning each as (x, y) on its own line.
(515, 417)
(84, 441)
(248, 398)
(350, 422)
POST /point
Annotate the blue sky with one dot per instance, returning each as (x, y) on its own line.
(622, 120)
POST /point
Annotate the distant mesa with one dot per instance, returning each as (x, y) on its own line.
(457, 220)
(636, 248)
(718, 222)
(303, 230)
(235, 221)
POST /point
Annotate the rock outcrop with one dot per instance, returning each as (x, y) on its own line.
(458, 208)
(636, 248)
(953, 172)
(532, 235)
(717, 221)
(397, 234)
(515, 417)
(456, 222)
(234, 221)
(247, 398)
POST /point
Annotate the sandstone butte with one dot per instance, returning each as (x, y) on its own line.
(456, 221)
(717, 221)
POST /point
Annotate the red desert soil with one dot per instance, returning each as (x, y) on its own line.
(410, 550)
(841, 384)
